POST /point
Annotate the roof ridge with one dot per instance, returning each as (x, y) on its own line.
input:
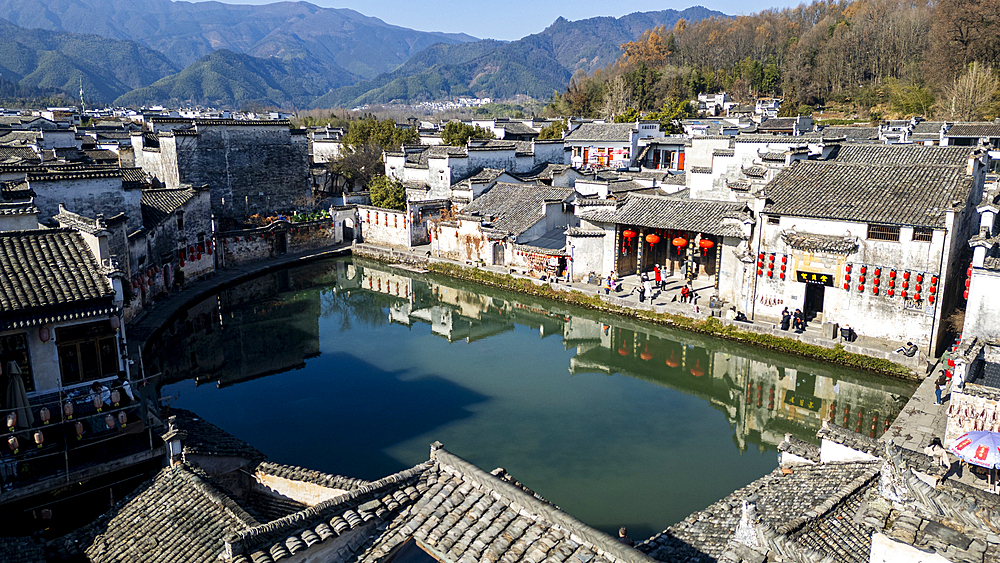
(202, 482)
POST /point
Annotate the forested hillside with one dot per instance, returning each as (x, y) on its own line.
(874, 58)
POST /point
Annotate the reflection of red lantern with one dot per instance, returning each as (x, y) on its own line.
(696, 370)
(672, 361)
(707, 245)
(645, 355)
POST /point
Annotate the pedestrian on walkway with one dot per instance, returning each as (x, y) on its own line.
(786, 319)
(685, 293)
(937, 453)
(798, 321)
(939, 386)
(648, 286)
(658, 277)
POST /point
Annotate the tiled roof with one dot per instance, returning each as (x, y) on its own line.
(578, 232)
(777, 123)
(49, 274)
(21, 550)
(205, 438)
(179, 516)
(801, 448)
(518, 128)
(917, 195)
(724, 152)
(18, 154)
(18, 208)
(514, 208)
(851, 133)
(978, 130)
(674, 213)
(806, 506)
(544, 172)
(928, 127)
(904, 154)
(755, 171)
(301, 474)
(820, 243)
(158, 204)
(614, 132)
(466, 514)
(871, 446)
(700, 170)
(16, 190)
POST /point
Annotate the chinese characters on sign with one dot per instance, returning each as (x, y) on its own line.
(814, 277)
(803, 401)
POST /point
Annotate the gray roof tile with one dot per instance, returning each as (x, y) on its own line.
(601, 132)
(673, 213)
(158, 204)
(514, 208)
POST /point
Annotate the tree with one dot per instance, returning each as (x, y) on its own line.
(382, 134)
(387, 194)
(968, 97)
(671, 114)
(553, 132)
(457, 134)
(617, 98)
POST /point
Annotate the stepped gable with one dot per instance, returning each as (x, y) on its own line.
(808, 513)
(158, 204)
(711, 217)
(48, 275)
(893, 194)
(514, 208)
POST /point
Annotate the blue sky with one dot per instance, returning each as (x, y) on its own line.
(513, 19)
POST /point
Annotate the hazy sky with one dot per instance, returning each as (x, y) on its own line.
(513, 19)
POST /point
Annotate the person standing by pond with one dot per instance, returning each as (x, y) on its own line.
(623, 537)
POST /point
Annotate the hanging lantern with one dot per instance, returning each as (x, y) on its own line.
(930, 299)
(760, 256)
(629, 234)
(11, 421)
(906, 275)
(116, 323)
(782, 275)
(760, 272)
(892, 293)
(968, 283)
(98, 402)
(892, 283)
(916, 296)
(116, 397)
(864, 269)
(906, 284)
(847, 268)
(916, 288)
(861, 289)
(933, 289)
(784, 259)
(13, 444)
(39, 438)
(847, 277)
(920, 278)
(903, 294)
(847, 285)
(182, 262)
(652, 239)
(68, 410)
(122, 418)
(43, 333)
(877, 281)
(875, 290)
(934, 279)
(892, 274)
(44, 415)
(861, 279)
(771, 259)
(878, 272)
(707, 245)
(965, 294)
(78, 428)
(760, 264)
(109, 421)
(679, 242)
(208, 248)
(782, 267)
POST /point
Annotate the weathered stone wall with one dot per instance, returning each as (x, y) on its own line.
(549, 152)
(461, 240)
(280, 237)
(385, 227)
(250, 169)
(89, 197)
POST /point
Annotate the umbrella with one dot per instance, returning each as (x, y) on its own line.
(17, 397)
(978, 447)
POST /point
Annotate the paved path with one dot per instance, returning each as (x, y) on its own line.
(155, 315)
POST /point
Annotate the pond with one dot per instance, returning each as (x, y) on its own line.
(354, 368)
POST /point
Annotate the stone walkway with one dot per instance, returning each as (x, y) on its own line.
(156, 315)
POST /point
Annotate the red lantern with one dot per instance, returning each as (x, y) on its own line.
(933, 289)
(965, 294)
(930, 299)
(847, 277)
(967, 283)
(892, 293)
(847, 285)
(906, 284)
(761, 257)
(629, 234)
(861, 279)
(892, 283)
(864, 269)
(707, 245)
(916, 288)
(652, 239)
(920, 278)
(968, 272)
(771, 258)
(877, 281)
(782, 267)
(182, 262)
(903, 294)
(782, 276)
(770, 273)
(861, 289)
(760, 272)
(878, 272)
(916, 297)
(934, 279)
(784, 259)
(679, 242)
(892, 274)
(760, 264)
(906, 275)
(847, 268)
(875, 290)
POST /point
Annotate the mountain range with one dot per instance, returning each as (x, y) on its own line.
(288, 54)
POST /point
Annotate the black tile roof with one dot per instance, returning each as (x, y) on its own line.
(158, 204)
(518, 128)
(777, 123)
(48, 275)
(18, 154)
(978, 130)
(21, 550)
(851, 133)
(601, 132)
(179, 516)
(514, 208)
(801, 448)
(887, 155)
(673, 213)
(820, 243)
(912, 194)
(805, 506)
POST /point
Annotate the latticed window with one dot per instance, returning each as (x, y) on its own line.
(883, 232)
(923, 234)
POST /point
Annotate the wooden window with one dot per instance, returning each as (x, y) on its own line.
(773, 220)
(883, 232)
(923, 234)
(14, 348)
(86, 352)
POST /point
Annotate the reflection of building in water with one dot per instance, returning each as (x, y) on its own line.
(267, 325)
(762, 400)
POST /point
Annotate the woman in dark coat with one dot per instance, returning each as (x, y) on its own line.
(786, 319)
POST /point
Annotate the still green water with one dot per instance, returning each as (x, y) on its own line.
(354, 368)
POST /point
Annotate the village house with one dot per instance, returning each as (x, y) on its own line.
(438, 172)
(793, 126)
(88, 191)
(250, 166)
(872, 238)
(613, 145)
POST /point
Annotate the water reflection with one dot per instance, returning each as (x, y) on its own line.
(616, 421)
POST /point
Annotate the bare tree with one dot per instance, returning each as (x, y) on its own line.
(966, 98)
(617, 98)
